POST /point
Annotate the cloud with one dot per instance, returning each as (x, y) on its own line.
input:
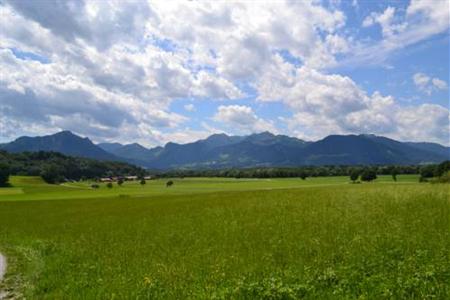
(209, 86)
(324, 104)
(428, 84)
(245, 34)
(58, 98)
(113, 70)
(386, 21)
(310, 90)
(189, 107)
(123, 59)
(109, 67)
(97, 83)
(427, 122)
(90, 21)
(439, 84)
(421, 80)
(422, 20)
(242, 118)
(185, 136)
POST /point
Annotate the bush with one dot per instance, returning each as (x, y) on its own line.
(109, 185)
(422, 179)
(444, 178)
(95, 186)
(142, 182)
(169, 183)
(120, 181)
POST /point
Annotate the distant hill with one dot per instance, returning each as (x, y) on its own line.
(257, 150)
(134, 153)
(366, 149)
(267, 149)
(110, 147)
(64, 142)
(431, 147)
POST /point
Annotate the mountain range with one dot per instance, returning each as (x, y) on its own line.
(257, 150)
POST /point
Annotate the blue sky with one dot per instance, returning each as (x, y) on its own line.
(158, 71)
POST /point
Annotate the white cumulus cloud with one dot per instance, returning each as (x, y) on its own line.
(242, 118)
(428, 84)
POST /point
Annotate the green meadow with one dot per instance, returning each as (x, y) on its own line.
(214, 238)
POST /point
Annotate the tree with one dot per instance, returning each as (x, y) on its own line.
(303, 175)
(354, 175)
(368, 175)
(109, 185)
(427, 171)
(142, 182)
(442, 168)
(394, 173)
(4, 174)
(52, 173)
(169, 183)
(120, 181)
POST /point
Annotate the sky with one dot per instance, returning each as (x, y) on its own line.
(160, 71)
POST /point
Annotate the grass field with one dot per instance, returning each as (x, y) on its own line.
(321, 238)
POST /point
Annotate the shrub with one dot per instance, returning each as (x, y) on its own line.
(109, 185)
(169, 183)
(423, 179)
(95, 186)
(445, 178)
(142, 182)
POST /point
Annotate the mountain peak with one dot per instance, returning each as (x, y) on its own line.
(217, 135)
(135, 146)
(64, 142)
(264, 134)
(368, 135)
(64, 133)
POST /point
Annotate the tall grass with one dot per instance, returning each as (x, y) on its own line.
(370, 241)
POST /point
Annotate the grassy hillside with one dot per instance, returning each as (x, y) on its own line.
(215, 238)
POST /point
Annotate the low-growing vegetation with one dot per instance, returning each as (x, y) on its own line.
(228, 239)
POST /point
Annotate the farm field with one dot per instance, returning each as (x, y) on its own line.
(34, 188)
(214, 238)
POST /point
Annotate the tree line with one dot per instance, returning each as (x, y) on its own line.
(55, 167)
(365, 173)
(298, 172)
